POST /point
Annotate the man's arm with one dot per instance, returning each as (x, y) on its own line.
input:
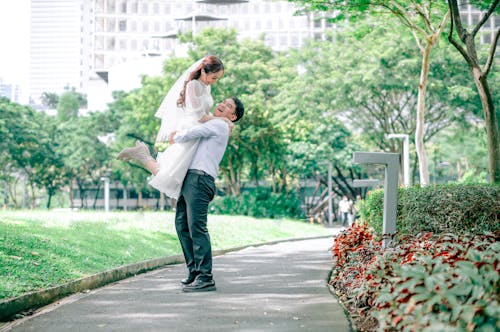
(207, 129)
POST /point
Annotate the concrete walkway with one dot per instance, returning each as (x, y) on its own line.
(280, 287)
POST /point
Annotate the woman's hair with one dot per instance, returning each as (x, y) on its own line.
(210, 64)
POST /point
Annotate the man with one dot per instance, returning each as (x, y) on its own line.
(198, 190)
(344, 210)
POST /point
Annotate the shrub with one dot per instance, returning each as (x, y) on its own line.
(439, 209)
(446, 283)
(426, 282)
(259, 203)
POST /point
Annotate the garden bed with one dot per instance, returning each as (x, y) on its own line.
(429, 281)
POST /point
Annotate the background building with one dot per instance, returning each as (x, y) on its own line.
(98, 46)
(10, 91)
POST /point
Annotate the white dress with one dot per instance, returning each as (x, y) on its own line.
(175, 160)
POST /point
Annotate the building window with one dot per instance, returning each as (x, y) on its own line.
(110, 26)
(475, 19)
(145, 26)
(283, 39)
(123, 7)
(111, 7)
(122, 26)
(133, 26)
(145, 8)
(486, 38)
(123, 44)
(134, 7)
(110, 43)
(156, 8)
(99, 43)
(99, 24)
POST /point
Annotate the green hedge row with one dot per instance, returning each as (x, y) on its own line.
(259, 204)
(439, 209)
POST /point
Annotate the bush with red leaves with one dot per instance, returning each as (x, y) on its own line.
(444, 281)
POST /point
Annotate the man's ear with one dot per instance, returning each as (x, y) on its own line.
(233, 117)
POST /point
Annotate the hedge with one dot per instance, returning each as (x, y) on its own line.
(438, 209)
(260, 203)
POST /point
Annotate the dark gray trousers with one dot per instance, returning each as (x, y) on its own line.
(191, 223)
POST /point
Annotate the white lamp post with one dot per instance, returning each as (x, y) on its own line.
(406, 156)
(106, 193)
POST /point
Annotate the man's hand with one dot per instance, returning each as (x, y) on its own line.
(171, 137)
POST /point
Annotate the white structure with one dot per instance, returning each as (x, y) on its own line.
(60, 46)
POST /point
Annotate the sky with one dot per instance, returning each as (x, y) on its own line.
(14, 40)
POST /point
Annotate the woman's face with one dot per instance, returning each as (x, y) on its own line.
(211, 78)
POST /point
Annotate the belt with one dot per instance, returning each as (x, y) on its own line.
(199, 172)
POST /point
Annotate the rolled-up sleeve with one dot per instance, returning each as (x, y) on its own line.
(210, 128)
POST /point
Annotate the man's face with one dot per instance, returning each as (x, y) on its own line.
(226, 109)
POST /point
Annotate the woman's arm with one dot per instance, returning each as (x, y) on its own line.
(198, 99)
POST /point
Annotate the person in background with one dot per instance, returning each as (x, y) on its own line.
(344, 210)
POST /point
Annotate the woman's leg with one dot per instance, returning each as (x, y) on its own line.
(140, 152)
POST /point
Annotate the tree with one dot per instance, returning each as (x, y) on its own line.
(426, 20)
(28, 148)
(464, 41)
(68, 105)
(50, 99)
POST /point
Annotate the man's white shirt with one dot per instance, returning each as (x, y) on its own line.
(213, 135)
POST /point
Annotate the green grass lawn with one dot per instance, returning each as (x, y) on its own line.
(40, 249)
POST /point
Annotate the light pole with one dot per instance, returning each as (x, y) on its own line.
(406, 156)
(330, 191)
(106, 193)
(330, 206)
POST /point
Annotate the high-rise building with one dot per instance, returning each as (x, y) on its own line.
(60, 50)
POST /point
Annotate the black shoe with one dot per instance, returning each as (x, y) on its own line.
(190, 278)
(200, 286)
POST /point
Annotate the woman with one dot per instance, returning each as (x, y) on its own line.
(187, 103)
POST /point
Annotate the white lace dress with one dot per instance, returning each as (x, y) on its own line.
(175, 160)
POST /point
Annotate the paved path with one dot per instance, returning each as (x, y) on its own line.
(280, 287)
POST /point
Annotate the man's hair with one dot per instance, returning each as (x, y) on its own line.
(240, 109)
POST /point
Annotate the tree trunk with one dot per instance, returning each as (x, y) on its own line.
(232, 184)
(49, 200)
(139, 200)
(420, 128)
(491, 123)
(71, 194)
(467, 48)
